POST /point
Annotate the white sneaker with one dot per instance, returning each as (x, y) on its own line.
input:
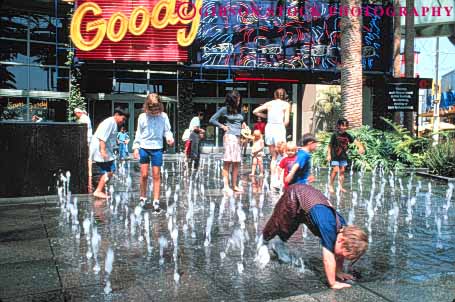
(142, 201)
(156, 206)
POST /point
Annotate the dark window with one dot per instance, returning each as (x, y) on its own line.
(204, 89)
(96, 81)
(13, 26)
(169, 87)
(42, 78)
(13, 77)
(13, 51)
(13, 108)
(45, 54)
(41, 28)
(57, 110)
(63, 79)
(101, 111)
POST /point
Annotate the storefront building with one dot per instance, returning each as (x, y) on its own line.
(34, 41)
(132, 48)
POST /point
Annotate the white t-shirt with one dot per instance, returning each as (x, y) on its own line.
(195, 122)
(86, 120)
(275, 112)
(107, 132)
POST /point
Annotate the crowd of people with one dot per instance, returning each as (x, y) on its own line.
(290, 169)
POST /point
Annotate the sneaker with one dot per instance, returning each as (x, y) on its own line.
(156, 206)
(281, 251)
(142, 201)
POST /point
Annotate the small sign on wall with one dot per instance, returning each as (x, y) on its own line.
(402, 94)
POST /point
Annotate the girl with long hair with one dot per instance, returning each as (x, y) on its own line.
(231, 140)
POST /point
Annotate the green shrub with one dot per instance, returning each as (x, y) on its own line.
(440, 159)
(388, 149)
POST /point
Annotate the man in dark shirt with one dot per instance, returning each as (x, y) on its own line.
(337, 152)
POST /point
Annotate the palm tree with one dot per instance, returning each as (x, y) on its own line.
(396, 50)
(351, 60)
(409, 57)
(327, 109)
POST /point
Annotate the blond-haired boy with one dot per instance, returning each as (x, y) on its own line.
(302, 203)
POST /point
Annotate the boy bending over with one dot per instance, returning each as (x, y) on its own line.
(304, 204)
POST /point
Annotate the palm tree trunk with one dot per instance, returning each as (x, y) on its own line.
(351, 64)
(185, 108)
(397, 50)
(409, 57)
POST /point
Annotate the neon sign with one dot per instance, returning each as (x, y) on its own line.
(108, 24)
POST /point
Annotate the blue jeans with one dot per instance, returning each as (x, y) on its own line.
(123, 150)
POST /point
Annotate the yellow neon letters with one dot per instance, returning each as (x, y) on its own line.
(119, 24)
(120, 34)
(139, 30)
(98, 25)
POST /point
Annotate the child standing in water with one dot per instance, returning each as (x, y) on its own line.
(257, 153)
(122, 141)
(234, 123)
(288, 162)
(337, 153)
(152, 126)
(102, 148)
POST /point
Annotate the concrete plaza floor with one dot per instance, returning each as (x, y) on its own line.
(43, 247)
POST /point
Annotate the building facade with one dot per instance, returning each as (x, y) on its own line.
(34, 43)
(139, 47)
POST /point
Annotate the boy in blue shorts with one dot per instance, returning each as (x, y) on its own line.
(300, 172)
(337, 152)
(152, 126)
(102, 148)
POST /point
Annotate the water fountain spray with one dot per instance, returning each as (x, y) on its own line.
(108, 269)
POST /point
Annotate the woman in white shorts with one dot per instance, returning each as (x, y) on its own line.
(278, 111)
(231, 140)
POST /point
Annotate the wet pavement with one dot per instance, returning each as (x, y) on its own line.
(202, 247)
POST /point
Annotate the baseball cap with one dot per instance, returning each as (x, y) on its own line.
(78, 110)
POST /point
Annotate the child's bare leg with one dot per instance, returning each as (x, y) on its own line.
(341, 179)
(99, 192)
(143, 180)
(332, 178)
(253, 166)
(235, 174)
(273, 160)
(156, 182)
(261, 167)
(226, 166)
